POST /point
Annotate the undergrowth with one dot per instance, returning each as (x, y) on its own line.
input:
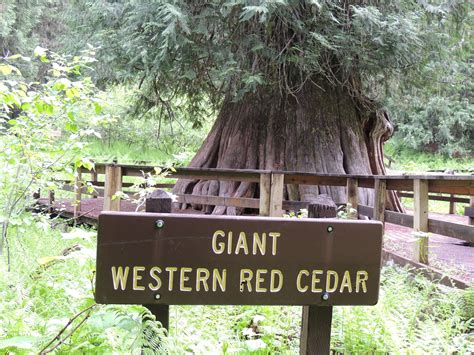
(51, 281)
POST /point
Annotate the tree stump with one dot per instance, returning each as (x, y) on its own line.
(159, 201)
(322, 206)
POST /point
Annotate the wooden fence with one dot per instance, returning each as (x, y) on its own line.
(422, 188)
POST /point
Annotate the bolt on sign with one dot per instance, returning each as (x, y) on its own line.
(151, 258)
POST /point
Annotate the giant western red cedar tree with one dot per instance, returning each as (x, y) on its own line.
(298, 85)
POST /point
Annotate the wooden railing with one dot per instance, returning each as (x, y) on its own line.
(271, 202)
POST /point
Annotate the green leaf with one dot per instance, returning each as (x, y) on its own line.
(25, 106)
(72, 92)
(71, 127)
(61, 84)
(49, 109)
(20, 342)
(71, 116)
(6, 69)
(97, 108)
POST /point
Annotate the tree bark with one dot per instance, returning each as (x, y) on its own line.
(320, 129)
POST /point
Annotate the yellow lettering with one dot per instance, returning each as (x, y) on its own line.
(219, 279)
(242, 244)
(259, 243)
(229, 243)
(274, 273)
(259, 279)
(274, 242)
(298, 281)
(136, 278)
(202, 275)
(184, 278)
(119, 276)
(246, 276)
(346, 282)
(315, 280)
(335, 276)
(154, 271)
(218, 248)
(171, 270)
(361, 278)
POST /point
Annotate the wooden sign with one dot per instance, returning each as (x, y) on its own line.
(151, 258)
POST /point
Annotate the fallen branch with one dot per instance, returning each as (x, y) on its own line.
(73, 219)
(45, 350)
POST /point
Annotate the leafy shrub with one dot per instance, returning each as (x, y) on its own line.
(42, 130)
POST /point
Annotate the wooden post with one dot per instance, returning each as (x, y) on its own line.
(452, 205)
(50, 201)
(316, 330)
(316, 321)
(276, 195)
(420, 220)
(113, 184)
(159, 202)
(380, 186)
(77, 193)
(94, 179)
(265, 184)
(421, 247)
(471, 219)
(352, 197)
(37, 194)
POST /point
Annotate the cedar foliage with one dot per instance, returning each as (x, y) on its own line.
(412, 57)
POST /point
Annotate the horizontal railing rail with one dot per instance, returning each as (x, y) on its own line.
(439, 183)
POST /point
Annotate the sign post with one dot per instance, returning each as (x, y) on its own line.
(159, 202)
(166, 259)
(316, 321)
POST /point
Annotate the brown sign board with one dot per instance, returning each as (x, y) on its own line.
(152, 258)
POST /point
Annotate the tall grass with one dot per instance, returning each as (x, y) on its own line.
(410, 160)
(49, 285)
(122, 152)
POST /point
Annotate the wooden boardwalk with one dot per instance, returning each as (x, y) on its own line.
(449, 256)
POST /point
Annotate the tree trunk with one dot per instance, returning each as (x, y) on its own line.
(319, 129)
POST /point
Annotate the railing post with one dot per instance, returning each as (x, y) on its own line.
(353, 197)
(265, 185)
(276, 195)
(77, 193)
(471, 219)
(452, 205)
(420, 189)
(113, 184)
(380, 187)
(94, 179)
(420, 220)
